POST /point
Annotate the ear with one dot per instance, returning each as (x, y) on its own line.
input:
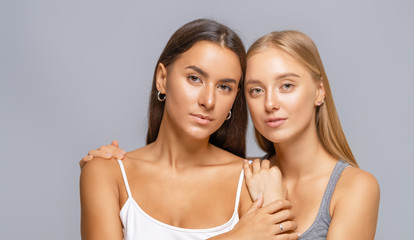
(161, 78)
(320, 94)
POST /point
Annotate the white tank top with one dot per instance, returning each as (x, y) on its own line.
(139, 225)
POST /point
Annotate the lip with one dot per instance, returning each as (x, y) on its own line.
(201, 119)
(275, 122)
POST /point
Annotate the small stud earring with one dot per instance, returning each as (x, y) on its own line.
(321, 102)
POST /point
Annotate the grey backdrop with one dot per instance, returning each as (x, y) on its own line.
(76, 74)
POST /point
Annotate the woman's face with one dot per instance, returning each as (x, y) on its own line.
(281, 95)
(201, 86)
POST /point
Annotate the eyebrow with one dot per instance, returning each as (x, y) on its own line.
(197, 69)
(285, 75)
(228, 80)
(252, 81)
(204, 74)
(281, 76)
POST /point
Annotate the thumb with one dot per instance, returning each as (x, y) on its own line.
(115, 143)
(256, 204)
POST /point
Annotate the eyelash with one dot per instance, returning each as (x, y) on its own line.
(287, 86)
(225, 87)
(253, 92)
(195, 79)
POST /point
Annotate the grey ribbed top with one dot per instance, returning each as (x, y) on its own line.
(319, 228)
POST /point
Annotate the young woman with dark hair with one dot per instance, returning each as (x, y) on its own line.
(187, 182)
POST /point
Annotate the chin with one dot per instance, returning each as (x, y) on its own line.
(277, 137)
(199, 133)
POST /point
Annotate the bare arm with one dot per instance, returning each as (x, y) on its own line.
(100, 201)
(355, 209)
(263, 223)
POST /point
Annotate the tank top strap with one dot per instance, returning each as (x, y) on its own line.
(121, 165)
(239, 187)
(336, 173)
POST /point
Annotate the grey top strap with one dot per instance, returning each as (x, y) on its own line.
(319, 228)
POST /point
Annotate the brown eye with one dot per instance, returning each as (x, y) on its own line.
(193, 78)
(225, 87)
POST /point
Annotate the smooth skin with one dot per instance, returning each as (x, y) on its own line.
(280, 88)
(181, 161)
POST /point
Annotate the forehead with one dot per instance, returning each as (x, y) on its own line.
(272, 60)
(217, 60)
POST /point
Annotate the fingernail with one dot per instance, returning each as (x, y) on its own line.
(108, 155)
(260, 195)
(123, 152)
(299, 234)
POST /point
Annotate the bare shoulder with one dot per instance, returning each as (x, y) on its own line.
(356, 197)
(356, 187)
(354, 179)
(99, 171)
(225, 157)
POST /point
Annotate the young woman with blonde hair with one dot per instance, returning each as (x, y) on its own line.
(296, 124)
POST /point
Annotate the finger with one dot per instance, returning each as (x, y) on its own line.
(114, 151)
(283, 215)
(84, 160)
(256, 204)
(247, 170)
(116, 148)
(115, 143)
(287, 226)
(276, 170)
(101, 154)
(265, 164)
(287, 236)
(256, 165)
(276, 206)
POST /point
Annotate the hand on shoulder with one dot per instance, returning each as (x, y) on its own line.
(105, 152)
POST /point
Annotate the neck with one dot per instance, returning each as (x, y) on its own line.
(176, 150)
(303, 156)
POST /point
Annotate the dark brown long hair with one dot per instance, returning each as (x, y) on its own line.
(231, 136)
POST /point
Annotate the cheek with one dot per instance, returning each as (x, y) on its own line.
(180, 92)
(299, 105)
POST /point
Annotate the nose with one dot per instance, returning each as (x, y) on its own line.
(271, 102)
(207, 97)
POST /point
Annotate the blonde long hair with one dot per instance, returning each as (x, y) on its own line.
(328, 126)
